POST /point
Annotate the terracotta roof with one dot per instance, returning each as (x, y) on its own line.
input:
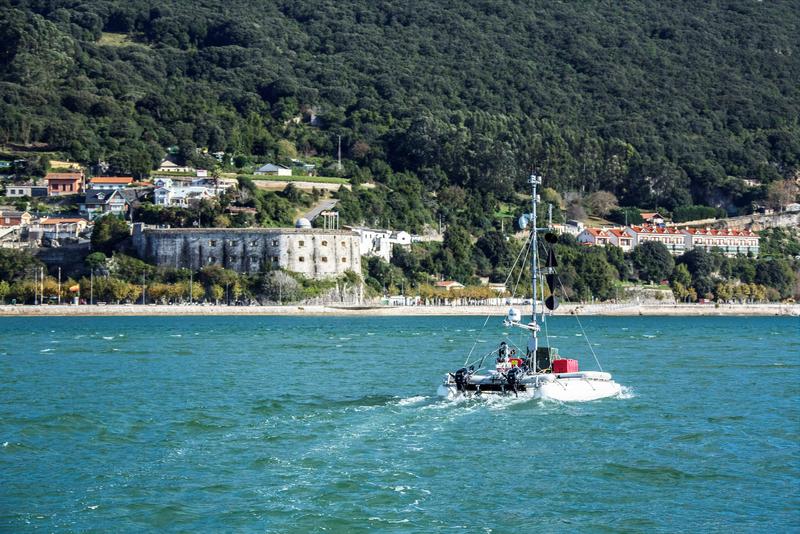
(112, 179)
(645, 229)
(62, 176)
(597, 232)
(617, 232)
(649, 215)
(448, 283)
(720, 233)
(63, 220)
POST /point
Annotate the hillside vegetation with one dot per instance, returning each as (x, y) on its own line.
(666, 104)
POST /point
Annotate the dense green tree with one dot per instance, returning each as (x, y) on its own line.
(653, 261)
(777, 274)
(108, 232)
(17, 264)
(699, 262)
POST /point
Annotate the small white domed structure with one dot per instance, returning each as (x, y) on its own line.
(302, 223)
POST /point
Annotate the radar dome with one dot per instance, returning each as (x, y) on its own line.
(302, 223)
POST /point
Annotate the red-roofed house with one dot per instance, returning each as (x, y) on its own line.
(594, 236)
(64, 183)
(56, 227)
(652, 217)
(618, 237)
(109, 183)
(672, 238)
(15, 218)
(729, 242)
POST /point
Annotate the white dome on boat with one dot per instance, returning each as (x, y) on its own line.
(302, 223)
(514, 315)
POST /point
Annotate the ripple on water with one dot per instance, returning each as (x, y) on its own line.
(226, 431)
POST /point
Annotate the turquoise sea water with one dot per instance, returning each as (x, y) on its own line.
(266, 424)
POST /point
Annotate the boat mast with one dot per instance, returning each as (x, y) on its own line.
(534, 180)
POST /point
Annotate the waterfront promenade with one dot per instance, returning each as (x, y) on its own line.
(384, 310)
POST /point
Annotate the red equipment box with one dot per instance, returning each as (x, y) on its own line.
(565, 366)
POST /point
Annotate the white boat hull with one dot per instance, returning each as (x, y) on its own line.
(566, 387)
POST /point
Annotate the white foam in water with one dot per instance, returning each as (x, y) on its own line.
(108, 337)
(175, 335)
(46, 350)
(626, 393)
(411, 400)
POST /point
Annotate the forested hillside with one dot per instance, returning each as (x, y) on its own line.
(662, 103)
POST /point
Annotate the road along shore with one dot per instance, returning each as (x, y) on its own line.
(379, 310)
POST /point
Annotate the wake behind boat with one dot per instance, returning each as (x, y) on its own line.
(541, 373)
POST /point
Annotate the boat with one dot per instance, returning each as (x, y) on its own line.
(536, 371)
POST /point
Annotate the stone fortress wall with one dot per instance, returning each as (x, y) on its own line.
(312, 252)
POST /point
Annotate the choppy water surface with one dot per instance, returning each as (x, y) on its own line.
(332, 424)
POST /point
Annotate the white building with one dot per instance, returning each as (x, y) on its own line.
(109, 183)
(181, 196)
(375, 242)
(98, 202)
(618, 237)
(272, 169)
(169, 164)
(672, 238)
(594, 236)
(26, 190)
(729, 242)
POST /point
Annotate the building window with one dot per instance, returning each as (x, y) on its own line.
(344, 244)
(233, 258)
(212, 259)
(301, 259)
(344, 260)
(301, 243)
(274, 259)
(213, 242)
(232, 243)
(324, 243)
(274, 242)
(254, 259)
(324, 259)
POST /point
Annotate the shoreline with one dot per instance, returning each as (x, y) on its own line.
(613, 310)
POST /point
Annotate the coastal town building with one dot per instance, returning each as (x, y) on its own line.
(60, 227)
(448, 285)
(109, 183)
(378, 242)
(272, 169)
(182, 196)
(315, 253)
(14, 218)
(594, 236)
(170, 164)
(653, 218)
(620, 238)
(729, 242)
(64, 183)
(27, 189)
(98, 202)
(672, 238)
